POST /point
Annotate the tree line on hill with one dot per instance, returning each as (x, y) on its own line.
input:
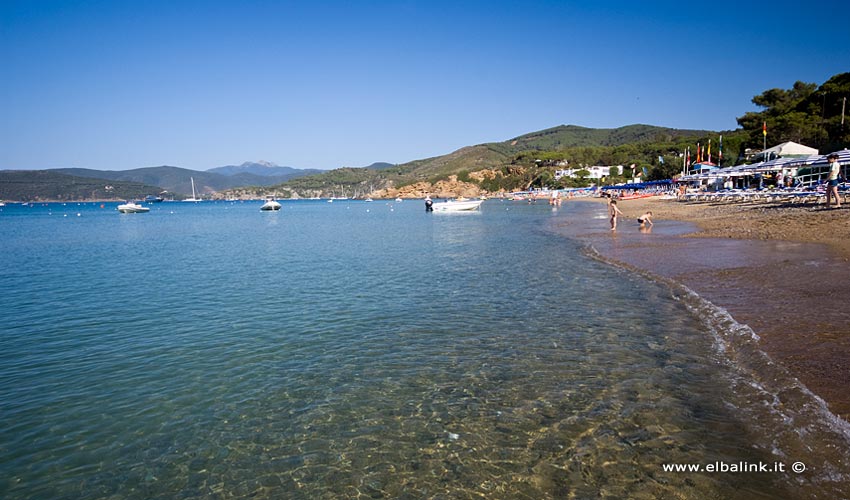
(807, 114)
(50, 185)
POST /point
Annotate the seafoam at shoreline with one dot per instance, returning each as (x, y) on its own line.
(790, 292)
(786, 413)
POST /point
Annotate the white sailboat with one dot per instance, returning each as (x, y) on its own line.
(193, 191)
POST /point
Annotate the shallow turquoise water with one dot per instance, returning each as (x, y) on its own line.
(351, 350)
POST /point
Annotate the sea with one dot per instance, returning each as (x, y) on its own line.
(373, 350)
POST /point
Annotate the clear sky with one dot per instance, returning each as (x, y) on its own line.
(113, 85)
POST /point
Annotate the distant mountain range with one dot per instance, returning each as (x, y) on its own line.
(176, 181)
(264, 169)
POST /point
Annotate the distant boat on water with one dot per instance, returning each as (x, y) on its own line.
(457, 206)
(132, 208)
(153, 199)
(270, 205)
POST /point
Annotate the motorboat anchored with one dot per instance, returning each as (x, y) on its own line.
(132, 208)
(270, 204)
(457, 205)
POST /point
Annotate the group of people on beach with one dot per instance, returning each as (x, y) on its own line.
(645, 220)
(614, 212)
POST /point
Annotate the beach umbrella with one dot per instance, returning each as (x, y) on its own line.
(777, 164)
(703, 166)
(843, 158)
(730, 171)
(741, 170)
(806, 160)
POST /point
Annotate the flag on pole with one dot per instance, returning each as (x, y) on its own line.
(720, 151)
(708, 156)
(764, 128)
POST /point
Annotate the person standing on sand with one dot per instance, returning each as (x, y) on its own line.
(832, 180)
(613, 211)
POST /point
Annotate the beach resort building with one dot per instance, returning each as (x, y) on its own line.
(785, 150)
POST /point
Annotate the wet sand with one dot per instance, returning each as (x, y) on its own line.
(781, 270)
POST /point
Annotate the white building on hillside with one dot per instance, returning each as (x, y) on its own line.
(596, 172)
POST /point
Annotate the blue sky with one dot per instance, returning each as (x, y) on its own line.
(114, 85)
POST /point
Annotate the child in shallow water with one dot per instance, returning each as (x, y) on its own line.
(645, 219)
(613, 211)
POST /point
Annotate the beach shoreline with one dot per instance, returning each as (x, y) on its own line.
(781, 270)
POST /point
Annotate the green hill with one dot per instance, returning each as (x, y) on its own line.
(597, 146)
(49, 185)
(565, 136)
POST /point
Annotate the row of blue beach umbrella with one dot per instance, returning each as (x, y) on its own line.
(770, 166)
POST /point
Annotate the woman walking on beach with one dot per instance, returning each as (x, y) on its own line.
(613, 211)
(832, 180)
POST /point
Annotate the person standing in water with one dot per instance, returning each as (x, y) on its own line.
(613, 211)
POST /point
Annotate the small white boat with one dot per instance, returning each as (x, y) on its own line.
(132, 208)
(270, 205)
(457, 206)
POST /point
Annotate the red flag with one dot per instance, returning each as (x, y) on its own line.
(764, 128)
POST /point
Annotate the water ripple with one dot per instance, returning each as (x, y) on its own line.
(330, 352)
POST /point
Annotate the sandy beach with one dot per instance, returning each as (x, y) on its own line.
(780, 269)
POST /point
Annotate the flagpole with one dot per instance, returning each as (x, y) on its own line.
(720, 153)
(764, 133)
